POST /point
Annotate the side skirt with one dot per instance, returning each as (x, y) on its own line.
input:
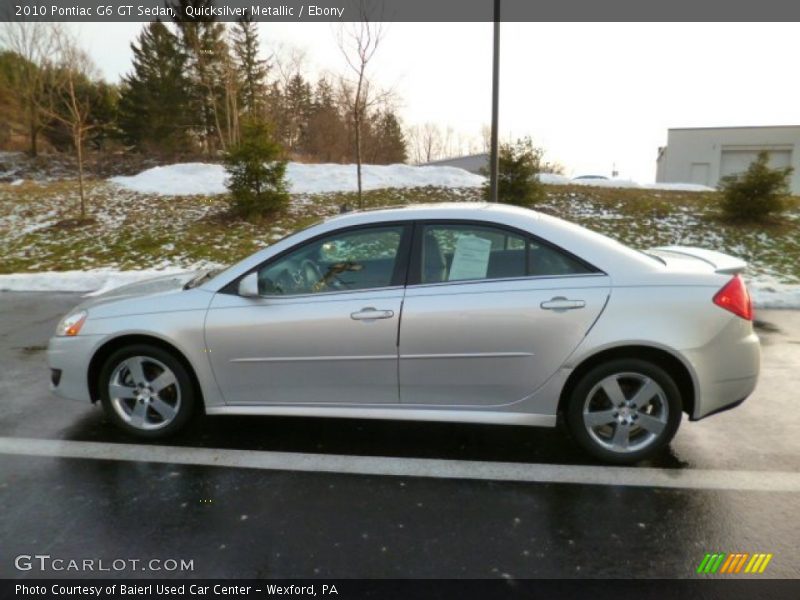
(391, 414)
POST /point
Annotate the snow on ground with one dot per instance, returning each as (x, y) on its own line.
(185, 179)
(765, 291)
(677, 187)
(92, 280)
(209, 179)
(768, 292)
(552, 179)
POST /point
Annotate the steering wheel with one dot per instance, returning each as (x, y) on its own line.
(310, 274)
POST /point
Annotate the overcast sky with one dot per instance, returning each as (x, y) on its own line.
(591, 94)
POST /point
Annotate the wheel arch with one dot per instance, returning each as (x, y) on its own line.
(665, 359)
(110, 346)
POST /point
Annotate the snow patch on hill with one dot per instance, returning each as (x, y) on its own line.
(209, 179)
(187, 179)
(555, 179)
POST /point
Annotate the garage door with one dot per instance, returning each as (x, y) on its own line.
(737, 161)
(699, 173)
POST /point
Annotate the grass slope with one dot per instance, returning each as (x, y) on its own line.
(134, 231)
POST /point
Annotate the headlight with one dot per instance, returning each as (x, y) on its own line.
(71, 324)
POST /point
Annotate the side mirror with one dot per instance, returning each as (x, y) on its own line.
(248, 286)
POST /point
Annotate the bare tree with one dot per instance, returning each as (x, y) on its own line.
(67, 99)
(33, 43)
(486, 137)
(358, 43)
(288, 61)
(413, 137)
(232, 93)
(431, 141)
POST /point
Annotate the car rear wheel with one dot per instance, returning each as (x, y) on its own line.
(146, 391)
(624, 411)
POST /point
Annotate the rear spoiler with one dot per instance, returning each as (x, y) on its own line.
(722, 263)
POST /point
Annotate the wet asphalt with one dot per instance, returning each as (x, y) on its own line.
(234, 522)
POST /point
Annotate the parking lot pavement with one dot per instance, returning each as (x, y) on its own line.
(400, 518)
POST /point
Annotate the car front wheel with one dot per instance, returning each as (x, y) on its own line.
(624, 411)
(146, 391)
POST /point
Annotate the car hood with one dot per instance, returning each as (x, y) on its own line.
(147, 287)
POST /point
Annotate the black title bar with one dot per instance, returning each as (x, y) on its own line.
(400, 10)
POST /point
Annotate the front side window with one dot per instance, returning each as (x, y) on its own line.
(352, 260)
(460, 252)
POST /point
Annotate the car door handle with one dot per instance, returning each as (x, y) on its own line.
(370, 313)
(561, 303)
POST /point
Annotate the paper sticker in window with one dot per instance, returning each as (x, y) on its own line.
(471, 258)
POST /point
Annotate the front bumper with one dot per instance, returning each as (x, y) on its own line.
(69, 358)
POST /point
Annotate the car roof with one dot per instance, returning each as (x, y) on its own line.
(441, 210)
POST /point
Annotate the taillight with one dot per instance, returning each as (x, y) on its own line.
(735, 298)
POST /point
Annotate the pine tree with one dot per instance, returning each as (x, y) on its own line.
(275, 112)
(256, 171)
(518, 177)
(757, 193)
(209, 66)
(104, 114)
(153, 107)
(15, 110)
(326, 137)
(252, 69)
(386, 139)
(297, 106)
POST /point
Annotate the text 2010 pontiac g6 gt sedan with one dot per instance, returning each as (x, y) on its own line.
(465, 312)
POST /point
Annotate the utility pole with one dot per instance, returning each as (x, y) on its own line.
(494, 161)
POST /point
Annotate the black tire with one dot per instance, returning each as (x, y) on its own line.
(653, 442)
(183, 390)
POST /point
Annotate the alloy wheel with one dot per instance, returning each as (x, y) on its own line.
(626, 412)
(144, 392)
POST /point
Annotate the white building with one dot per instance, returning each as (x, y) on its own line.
(705, 154)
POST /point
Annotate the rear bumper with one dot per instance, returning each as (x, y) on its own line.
(69, 358)
(726, 369)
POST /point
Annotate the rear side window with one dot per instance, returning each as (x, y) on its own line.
(462, 252)
(545, 260)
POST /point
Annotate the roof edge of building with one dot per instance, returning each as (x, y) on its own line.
(735, 127)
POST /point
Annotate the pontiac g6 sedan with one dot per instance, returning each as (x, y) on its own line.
(465, 313)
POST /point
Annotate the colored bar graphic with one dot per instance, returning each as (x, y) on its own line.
(704, 562)
(734, 563)
(711, 563)
(741, 562)
(732, 558)
(718, 562)
(767, 558)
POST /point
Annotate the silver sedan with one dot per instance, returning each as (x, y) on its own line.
(465, 313)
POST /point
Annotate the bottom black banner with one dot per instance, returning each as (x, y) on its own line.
(417, 589)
